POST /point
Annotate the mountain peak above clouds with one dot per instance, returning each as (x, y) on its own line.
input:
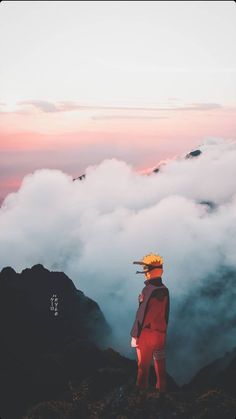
(190, 155)
(194, 153)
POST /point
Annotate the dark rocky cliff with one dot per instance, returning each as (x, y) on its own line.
(47, 329)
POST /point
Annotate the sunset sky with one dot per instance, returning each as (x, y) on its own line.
(138, 81)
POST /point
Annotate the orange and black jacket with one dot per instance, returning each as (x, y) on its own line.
(154, 307)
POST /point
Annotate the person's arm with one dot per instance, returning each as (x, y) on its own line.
(136, 329)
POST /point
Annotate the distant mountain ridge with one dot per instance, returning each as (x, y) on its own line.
(191, 154)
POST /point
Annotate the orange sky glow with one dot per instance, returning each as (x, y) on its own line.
(71, 142)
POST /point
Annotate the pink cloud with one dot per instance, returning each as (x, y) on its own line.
(66, 106)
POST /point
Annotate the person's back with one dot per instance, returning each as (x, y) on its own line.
(157, 313)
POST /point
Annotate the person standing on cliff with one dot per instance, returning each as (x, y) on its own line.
(150, 326)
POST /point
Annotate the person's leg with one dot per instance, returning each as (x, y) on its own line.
(144, 356)
(160, 369)
(160, 362)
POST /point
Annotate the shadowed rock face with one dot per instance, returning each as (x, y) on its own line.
(110, 393)
(220, 374)
(48, 305)
(126, 401)
(44, 320)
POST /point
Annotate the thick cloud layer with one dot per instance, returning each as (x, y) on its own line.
(93, 230)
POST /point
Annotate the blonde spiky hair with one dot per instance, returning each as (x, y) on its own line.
(152, 258)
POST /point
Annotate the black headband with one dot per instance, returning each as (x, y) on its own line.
(149, 266)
